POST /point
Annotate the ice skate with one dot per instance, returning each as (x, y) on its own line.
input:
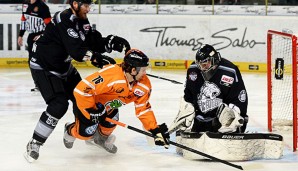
(68, 140)
(32, 152)
(102, 141)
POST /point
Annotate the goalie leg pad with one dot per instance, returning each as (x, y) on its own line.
(233, 147)
(184, 117)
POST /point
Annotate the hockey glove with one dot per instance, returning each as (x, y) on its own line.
(116, 43)
(161, 136)
(97, 115)
(98, 60)
(229, 117)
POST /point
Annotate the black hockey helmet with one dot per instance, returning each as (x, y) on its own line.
(81, 1)
(205, 54)
(135, 58)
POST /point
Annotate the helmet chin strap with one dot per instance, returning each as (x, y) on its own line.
(134, 77)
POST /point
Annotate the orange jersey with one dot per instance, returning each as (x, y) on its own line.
(109, 86)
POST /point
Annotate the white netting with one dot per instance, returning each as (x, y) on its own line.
(282, 95)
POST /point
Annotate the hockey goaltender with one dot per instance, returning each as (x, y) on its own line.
(213, 113)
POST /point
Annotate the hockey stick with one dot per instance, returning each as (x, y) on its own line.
(173, 81)
(175, 144)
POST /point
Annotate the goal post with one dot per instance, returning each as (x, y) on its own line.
(282, 81)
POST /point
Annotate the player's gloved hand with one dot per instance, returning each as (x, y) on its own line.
(116, 43)
(98, 60)
(97, 115)
(229, 117)
(161, 135)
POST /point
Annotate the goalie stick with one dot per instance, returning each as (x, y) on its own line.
(173, 81)
(175, 144)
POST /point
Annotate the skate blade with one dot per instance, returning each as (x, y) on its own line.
(28, 158)
(91, 143)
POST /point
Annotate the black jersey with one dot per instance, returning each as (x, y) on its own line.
(226, 86)
(34, 17)
(64, 39)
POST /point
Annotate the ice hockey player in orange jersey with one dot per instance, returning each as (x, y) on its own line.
(100, 95)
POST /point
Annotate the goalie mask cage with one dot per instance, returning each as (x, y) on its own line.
(282, 81)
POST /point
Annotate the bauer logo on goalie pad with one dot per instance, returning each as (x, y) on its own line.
(279, 69)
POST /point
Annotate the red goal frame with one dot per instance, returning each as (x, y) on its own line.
(294, 47)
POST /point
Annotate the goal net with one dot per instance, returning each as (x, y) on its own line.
(282, 82)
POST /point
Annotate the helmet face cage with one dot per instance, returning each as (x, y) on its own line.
(205, 55)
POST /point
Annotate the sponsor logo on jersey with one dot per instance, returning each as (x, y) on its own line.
(242, 96)
(72, 33)
(207, 99)
(138, 92)
(226, 80)
(86, 27)
(82, 35)
(193, 76)
(91, 129)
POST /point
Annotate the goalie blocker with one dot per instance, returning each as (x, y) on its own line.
(232, 147)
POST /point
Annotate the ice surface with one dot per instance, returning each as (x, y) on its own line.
(20, 111)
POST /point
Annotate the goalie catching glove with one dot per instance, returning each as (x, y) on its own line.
(161, 135)
(229, 117)
(116, 43)
(97, 115)
(98, 60)
(184, 118)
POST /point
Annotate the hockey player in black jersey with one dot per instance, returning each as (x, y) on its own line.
(215, 97)
(68, 36)
(35, 16)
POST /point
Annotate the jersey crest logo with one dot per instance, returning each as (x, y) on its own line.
(242, 96)
(114, 104)
(193, 76)
(72, 33)
(226, 80)
(138, 92)
(207, 99)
